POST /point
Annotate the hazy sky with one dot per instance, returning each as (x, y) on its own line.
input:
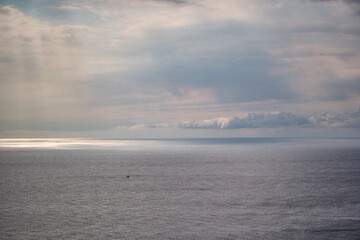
(179, 68)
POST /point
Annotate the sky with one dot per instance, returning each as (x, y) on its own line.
(179, 68)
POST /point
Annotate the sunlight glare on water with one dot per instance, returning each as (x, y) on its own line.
(71, 143)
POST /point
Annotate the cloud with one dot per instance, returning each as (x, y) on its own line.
(5, 11)
(41, 74)
(151, 61)
(171, 1)
(201, 48)
(348, 1)
(141, 126)
(184, 58)
(346, 120)
(266, 120)
(69, 7)
(253, 120)
(353, 3)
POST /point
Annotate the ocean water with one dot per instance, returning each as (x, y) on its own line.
(180, 189)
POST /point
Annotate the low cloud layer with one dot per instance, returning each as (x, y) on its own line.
(268, 120)
(253, 120)
(347, 120)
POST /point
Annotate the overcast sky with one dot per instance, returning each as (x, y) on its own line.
(179, 68)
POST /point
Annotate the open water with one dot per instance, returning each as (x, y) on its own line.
(180, 189)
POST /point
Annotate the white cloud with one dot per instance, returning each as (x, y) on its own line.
(142, 126)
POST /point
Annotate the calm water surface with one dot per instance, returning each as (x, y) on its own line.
(180, 189)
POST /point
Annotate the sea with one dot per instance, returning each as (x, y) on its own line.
(239, 188)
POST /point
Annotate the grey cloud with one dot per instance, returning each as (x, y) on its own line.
(5, 59)
(212, 56)
(355, 3)
(253, 120)
(346, 120)
(341, 90)
(217, 59)
(58, 126)
(172, 1)
(220, 55)
(110, 90)
(232, 79)
(46, 10)
(70, 38)
(349, 1)
(227, 56)
(4, 11)
(5, 29)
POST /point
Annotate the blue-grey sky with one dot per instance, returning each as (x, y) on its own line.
(179, 68)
